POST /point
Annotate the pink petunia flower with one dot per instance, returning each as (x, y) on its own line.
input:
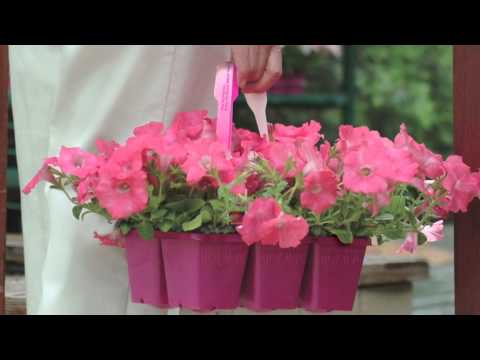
(192, 126)
(280, 154)
(403, 168)
(259, 212)
(285, 230)
(42, 175)
(380, 201)
(163, 153)
(476, 176)
(250, 186)
(434, 232)
(410, 244)
(320, 191)
(166, 155)
(253, 184)
(152, 128)
(441, 212)
(367, 171)
(308, 132)
(371, 168)
(122, 197)
(240, 161)
(461, 184)
(430, 164)
(86, 188)
(106, 148)
(125, 161)
(356, 138)
(314, 159)
(246, 140)
(114, 239)
(76, 162)
(205, 156)
(264, 222)
(239, 189)
(158, 148)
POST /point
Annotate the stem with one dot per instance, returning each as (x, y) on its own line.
(291, 193)
(69, 197)
(59, 183)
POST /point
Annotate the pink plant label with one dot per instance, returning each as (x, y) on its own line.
(226, 92)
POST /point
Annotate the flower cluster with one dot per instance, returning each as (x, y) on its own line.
(273, 191)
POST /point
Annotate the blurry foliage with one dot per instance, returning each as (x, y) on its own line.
(322, 66)
(410, 84)
(395, 84)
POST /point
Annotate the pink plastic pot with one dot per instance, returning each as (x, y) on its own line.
(145, 270)
(204, 272)
(274, 277)
(332, 275)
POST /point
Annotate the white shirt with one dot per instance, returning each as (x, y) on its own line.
(71, 95)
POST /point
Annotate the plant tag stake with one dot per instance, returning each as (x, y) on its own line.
(258, 105)
(226, 92)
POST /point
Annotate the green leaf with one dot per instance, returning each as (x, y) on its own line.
(317, 231)
(394, 233)
(170, 217)
(154, 202)
(187, 205)
(124, 228)
(150, 189)
(289, 165)
(85, 213)
(77, 211)
(206, 214)
(193, 224)
(398, 204)
(345, 236)
(422, 239)
(385, 217)
(363, 233)
(217, 205)
(411, 217)
(355, 217)
(224, 193)
(146, 230)
(158, 214)
(380, 240)
(166, 226)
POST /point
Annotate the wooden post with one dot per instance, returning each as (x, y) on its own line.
(4, 82)
(467, 144)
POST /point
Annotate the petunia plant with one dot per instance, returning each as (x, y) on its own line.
(273, 191)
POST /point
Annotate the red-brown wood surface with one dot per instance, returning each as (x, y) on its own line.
(3, 166)
(467, 144)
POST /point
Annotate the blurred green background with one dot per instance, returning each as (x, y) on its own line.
(393, 84)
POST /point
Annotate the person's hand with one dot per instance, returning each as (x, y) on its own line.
(258, 66)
